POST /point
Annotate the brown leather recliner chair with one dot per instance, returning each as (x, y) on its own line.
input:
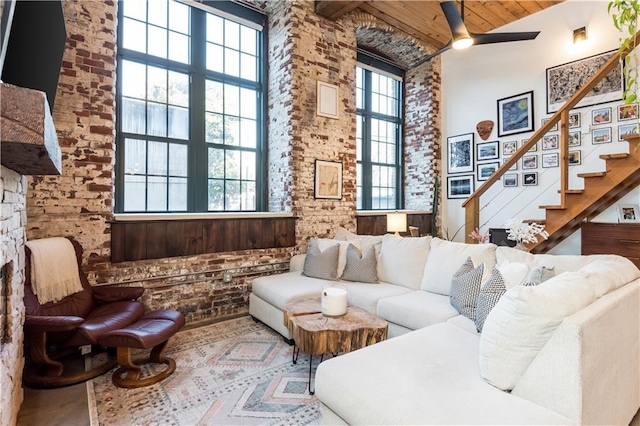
(58, 329)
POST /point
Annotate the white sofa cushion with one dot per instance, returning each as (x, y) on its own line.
(522, 322)
(402, 260)
(426, 376)
(416, 309)
(445, 257)
(367, 296)
(280, 289)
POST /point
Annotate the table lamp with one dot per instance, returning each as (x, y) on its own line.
(396, 222)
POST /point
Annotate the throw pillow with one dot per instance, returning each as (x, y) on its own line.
(402, 260)
(361, 266)
(523, 321)
(445, 257)
(325, 243)
(489, 295)
(513, 273)
(465, 287)
(321, 264)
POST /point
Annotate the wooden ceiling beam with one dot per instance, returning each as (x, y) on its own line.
(335, 9)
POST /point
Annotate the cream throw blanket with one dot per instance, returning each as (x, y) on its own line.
(54, 269)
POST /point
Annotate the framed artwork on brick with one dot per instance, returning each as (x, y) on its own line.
(328, 180)
(327, 100)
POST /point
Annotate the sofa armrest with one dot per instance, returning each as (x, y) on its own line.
(45, 324)
(297, 262)
(116, 294)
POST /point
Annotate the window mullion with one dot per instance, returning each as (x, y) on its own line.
(367, 172)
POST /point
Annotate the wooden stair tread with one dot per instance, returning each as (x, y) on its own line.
(612, 156)
(592, 174)
(573, 191)
(553, 207)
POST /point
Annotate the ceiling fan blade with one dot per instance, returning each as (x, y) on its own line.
(433, 55)
(454, 19)
(503, 37)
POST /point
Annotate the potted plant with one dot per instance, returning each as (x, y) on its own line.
(626, 16)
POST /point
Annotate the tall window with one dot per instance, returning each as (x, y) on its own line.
(190, 106)
(378, 135)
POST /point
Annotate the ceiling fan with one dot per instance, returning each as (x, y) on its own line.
(461, 38)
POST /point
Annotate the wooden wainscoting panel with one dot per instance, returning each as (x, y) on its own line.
(377, 224)
(156, 239)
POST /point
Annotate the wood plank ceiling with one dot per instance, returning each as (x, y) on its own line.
(425, 21)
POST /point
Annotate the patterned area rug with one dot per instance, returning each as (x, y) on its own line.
(229, 373)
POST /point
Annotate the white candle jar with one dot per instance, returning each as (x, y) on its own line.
(334, 301)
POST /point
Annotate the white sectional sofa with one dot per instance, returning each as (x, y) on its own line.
(565, 351)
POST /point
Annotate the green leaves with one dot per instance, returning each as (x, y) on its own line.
(625, 15)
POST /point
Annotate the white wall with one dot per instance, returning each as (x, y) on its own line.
(474, 79)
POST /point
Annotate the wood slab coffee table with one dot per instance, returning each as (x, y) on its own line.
(316, 334)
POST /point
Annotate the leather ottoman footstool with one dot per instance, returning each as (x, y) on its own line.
(153, 330)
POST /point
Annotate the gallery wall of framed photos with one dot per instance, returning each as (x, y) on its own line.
(518, 86)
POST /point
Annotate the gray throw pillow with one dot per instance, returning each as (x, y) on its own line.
(361, 267)
(465, 288)
(321, 264)
(489, 295)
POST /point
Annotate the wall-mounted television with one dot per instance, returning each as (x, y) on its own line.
(33, 42)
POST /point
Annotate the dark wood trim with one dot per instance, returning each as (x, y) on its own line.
(157, 239)
(377, 224)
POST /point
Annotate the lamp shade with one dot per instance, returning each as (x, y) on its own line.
(396, 222)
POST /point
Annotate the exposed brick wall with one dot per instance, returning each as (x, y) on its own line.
(13, 188)
(303, 48)
(422, 134)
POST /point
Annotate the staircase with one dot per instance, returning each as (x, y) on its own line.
(601, 189)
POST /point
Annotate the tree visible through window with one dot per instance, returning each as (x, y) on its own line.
(190, 106)
(378, 135)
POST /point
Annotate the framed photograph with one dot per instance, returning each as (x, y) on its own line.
(508, 148)
(485, 170)
(515, 165)
(529, 162)
(549, 142)
(510, 180)
(628, 213)
(575, 157)
(328, 180)
(563, 80)
(487, 151)
(533, 148)
(627, 112)
(626, 129)
(327, 100)
(530, 179)
(551, 159)
(600, 136)
(555, 126)
(601, 116)
(460, 153)
(575, 139)
(515, 114)
(575, 120)
(459, 186)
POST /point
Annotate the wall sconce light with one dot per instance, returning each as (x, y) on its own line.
(580, 35)
(396, 222)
